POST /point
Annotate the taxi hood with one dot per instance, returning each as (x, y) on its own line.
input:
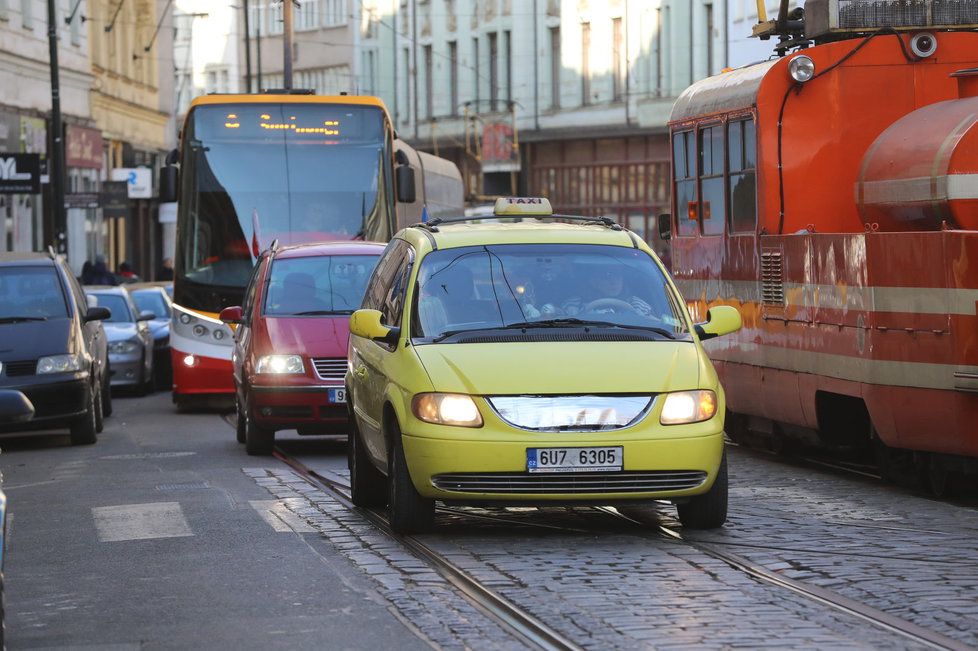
(561, 368)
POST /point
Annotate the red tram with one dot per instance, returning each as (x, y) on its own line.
(832, 196)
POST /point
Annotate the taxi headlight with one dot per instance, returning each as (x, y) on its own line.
(123, 347)
(59, 364)
(446, 409)
(280, 364)
(684, 407)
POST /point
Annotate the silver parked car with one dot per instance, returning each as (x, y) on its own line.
(130, 339)
(152, 297)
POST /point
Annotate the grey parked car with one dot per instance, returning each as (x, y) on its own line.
(130, 339)
(153, 298)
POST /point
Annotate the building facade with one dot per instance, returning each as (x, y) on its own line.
(743, 49)
(564, 99)
(25, 110)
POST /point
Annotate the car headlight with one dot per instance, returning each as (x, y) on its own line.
(446, 409)
(684, 407)
(123, 347)
(280, 364)
(60, 364)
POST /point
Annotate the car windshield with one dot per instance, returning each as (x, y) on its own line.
(545, 285)
(318, 285)
(151, 301)
(118, 306)
(30, 293)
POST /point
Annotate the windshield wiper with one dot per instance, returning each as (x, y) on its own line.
(572, 322)
(18, 319)
(319, 312)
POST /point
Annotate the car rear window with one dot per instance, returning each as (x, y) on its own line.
(318, 285)
(31, 292)
(118, 306)
(151, 301)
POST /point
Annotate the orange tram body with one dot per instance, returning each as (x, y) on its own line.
(840, 216)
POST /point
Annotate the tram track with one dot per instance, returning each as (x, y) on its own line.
(538, 635)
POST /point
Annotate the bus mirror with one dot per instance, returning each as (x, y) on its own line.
(168, 183)
(665, 226)
(405, 184)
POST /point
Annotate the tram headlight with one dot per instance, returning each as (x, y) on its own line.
(185, 318)
(219, 334)
(683, 407)
(801, 68)
(280, 364)
(200, 330)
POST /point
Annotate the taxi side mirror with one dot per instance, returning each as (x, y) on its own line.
(720, 320)
(232, 314)
(367, 324)
(665, 226)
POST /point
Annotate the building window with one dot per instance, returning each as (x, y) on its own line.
(493, 71)
(3, 10)
(555, 66)
(617, 78)
(585, 63)
(453, 77)
(713, 195)
(684, 172)
(709, 39)
(406, 58)
(370, 72)
(334, 12)
(306, 15)
(742, 152)
(508, 62)
(276, 23)
(429, 84)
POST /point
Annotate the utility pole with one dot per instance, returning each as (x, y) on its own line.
(247, 49)
(56, 157)
(287, 43)
(258, 47)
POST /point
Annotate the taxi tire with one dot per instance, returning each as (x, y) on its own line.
(368, 486)
(709, 510)
(407, 511)
(258, 440)
(84, 430)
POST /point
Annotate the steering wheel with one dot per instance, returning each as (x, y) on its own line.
(616, 304)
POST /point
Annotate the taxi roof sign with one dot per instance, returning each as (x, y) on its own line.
(517, 206)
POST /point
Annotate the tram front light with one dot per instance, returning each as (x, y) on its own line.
(200, 330)
(801, 69)
(185, 318)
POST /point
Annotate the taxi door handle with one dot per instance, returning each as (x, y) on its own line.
(360, 372)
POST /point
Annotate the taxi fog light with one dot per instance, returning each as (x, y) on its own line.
(280, 364)
(447, 409)
(688, 407)
(59, 364)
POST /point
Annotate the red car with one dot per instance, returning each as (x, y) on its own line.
(290, 347)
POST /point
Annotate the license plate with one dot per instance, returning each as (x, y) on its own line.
(337, 396)
(574, 459)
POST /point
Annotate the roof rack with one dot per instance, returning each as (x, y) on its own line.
(432, 225)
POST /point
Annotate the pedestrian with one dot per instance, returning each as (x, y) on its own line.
(166, 273)
(101, 274)
(88, 271)
(126, 274)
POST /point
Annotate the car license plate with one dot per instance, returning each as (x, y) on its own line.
(574, 459)
(337, 396)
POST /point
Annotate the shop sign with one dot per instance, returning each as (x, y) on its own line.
(33, 136)
(498, 152)
(83, 147)
(138, 179)
(114, 198)
(20, 173)
(82, 200)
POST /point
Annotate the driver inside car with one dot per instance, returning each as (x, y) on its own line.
(607, 293)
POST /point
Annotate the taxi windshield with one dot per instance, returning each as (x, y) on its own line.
(318, 286)
(517, 286)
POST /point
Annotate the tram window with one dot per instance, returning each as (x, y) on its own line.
(684, 161)
(713, 205)
(743, 180)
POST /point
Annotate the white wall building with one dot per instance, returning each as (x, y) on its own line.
(742, 47)
(207, 47)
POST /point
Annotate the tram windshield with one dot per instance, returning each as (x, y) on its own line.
(255, 173)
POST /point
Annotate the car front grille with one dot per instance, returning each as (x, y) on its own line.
(21, 368)
(330, 368)
(570, 483)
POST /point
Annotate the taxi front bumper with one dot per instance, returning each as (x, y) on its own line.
(492, 467)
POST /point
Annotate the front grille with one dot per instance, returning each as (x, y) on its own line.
(21, 368)
(330, 368)
(570, 483)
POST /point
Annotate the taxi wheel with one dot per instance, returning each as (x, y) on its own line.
(83, 430)
(258, 440)
(367, 484)
(709, 510)
(407, 511)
